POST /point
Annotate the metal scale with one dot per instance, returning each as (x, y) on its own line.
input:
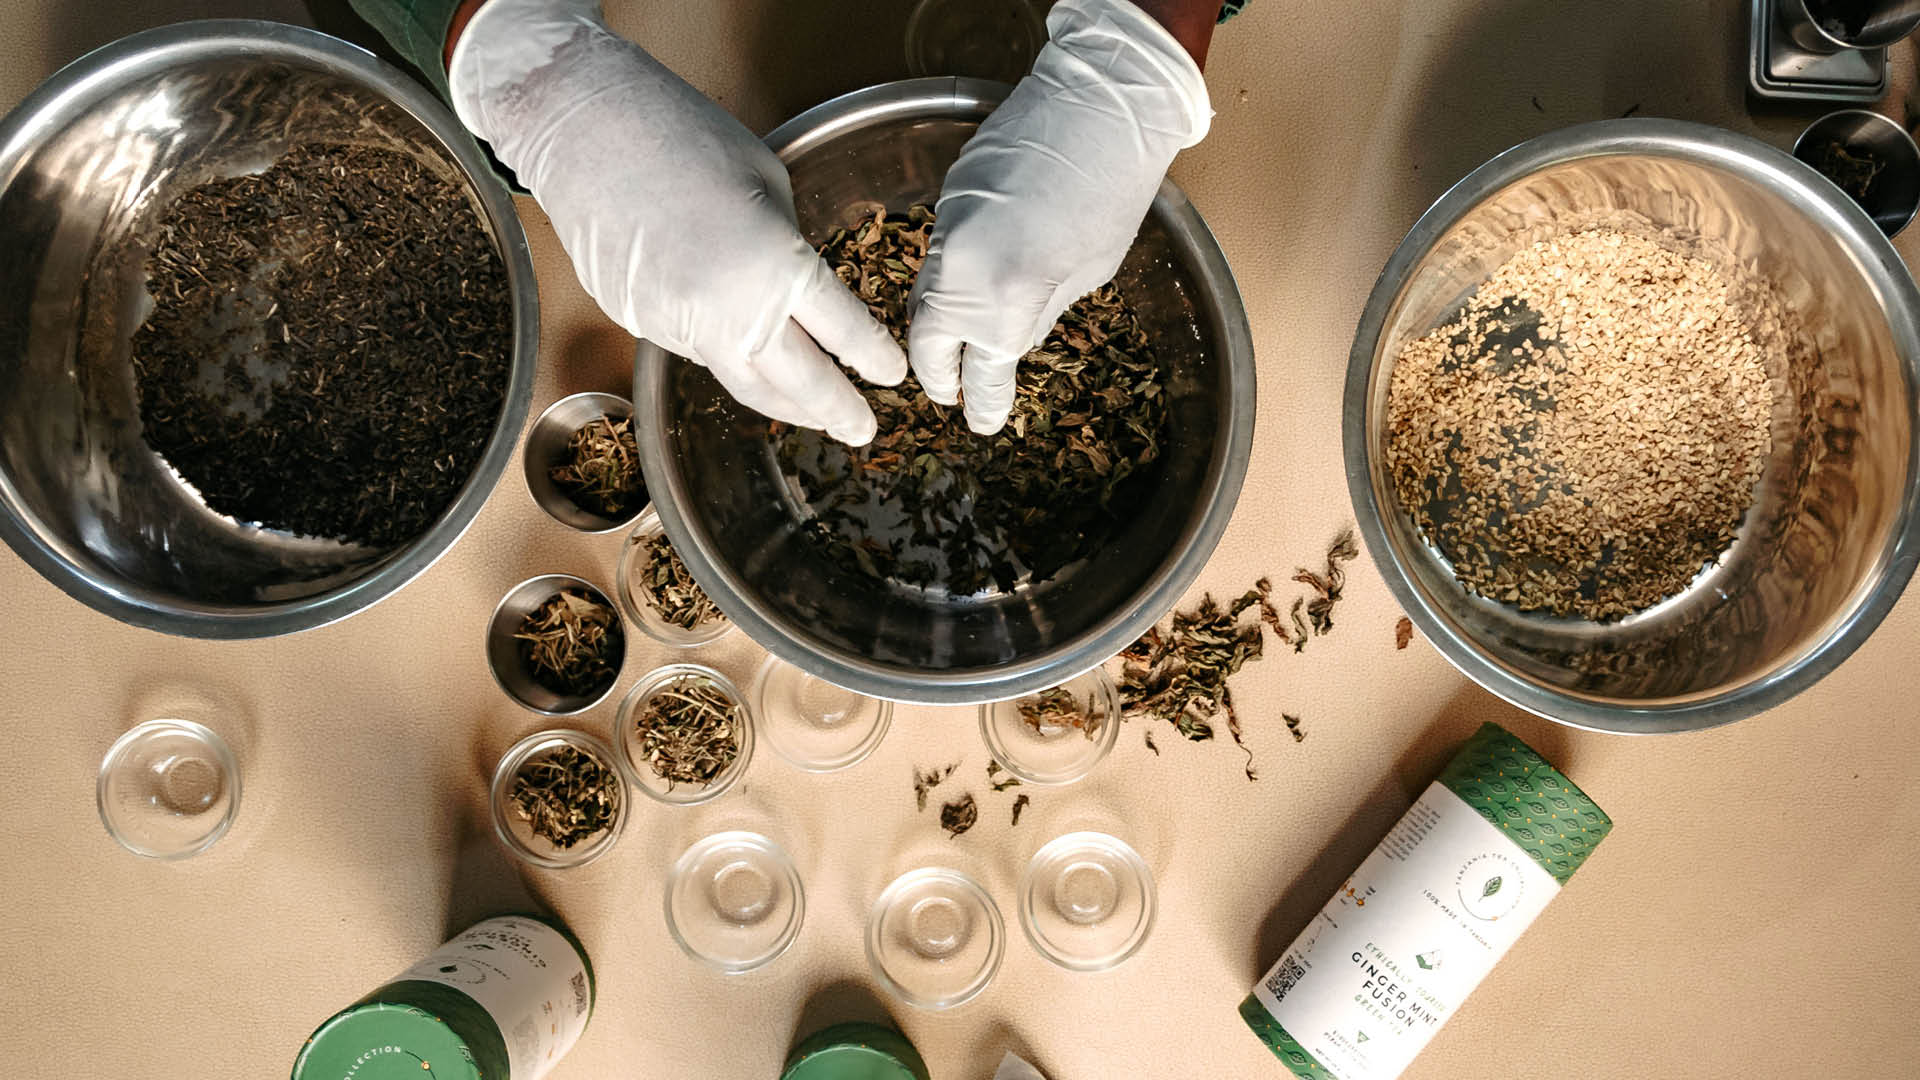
(1791, 59)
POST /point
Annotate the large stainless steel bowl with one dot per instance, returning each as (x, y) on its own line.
(720, 495)
(1833, 534)
(87, 159)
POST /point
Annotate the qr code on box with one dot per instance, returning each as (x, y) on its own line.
(1285, 976)
(579, 984)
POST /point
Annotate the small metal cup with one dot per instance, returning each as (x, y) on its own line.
(547, 448)
(509, 665)
(1884, 22)
(1894, 195)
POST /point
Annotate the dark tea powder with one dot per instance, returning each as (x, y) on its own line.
(329, 345)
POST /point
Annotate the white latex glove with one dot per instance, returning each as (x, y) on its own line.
(679, 222)
(1047, 197)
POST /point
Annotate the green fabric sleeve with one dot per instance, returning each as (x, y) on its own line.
(417, 30)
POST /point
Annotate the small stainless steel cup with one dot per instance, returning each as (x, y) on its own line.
(547, 448)
(1894, 194)
(1816, 26)
(509, 664)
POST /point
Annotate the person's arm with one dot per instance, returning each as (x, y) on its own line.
(1191, 23)
(679, 222)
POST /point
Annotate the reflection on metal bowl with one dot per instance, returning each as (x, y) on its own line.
(1831, 538)
(718, 490)
(85, 161)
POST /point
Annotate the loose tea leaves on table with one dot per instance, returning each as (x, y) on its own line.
(1402, 632)
(959, 815)
(1003, 782)
(572, 644)
(930, 505)
(1180, 675)
(925, 780)
(1327, 586)
(1293, 725)
(689, 731)
(669, 588)
(601, 470)
(566, 796)
(1020, 804)
(1051, 710)
(329, 345)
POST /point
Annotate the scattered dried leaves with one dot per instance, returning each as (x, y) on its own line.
(960, 814)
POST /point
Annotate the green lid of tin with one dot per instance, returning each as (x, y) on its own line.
(386, 1041)
(1541, 811)
(855, 1052)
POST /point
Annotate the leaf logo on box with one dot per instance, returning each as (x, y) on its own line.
(1489, 886)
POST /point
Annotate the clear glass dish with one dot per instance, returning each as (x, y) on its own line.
(935, 938)
(517, 833)
(1087, 901)
(629, 579)
(633, 761)
(1042, 752)
(734, 901)
(813, 724)
(168, 789)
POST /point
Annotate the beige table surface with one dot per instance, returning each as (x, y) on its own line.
(1753, 913)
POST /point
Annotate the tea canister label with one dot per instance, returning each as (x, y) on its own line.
(530, 980)
(1406, 939)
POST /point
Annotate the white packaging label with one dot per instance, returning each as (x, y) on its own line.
(1405, 940)
(528, 977)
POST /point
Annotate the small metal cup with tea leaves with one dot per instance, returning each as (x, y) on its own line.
(582, 465)
(658, 593)
(556, 645)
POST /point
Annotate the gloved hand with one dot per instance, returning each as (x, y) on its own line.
(1047, 196)
(679, 222)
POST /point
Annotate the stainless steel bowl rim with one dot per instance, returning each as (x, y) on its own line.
(964, 98)
(261, 40)
(1757, 162)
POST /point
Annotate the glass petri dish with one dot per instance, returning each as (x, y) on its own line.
(168, 789)
(734, 901)
(670, 680)
(516, 830)
(637, 604)
(1087, 901)
(935, 938)
(1043, 750)
(813, 724)
(979, 39)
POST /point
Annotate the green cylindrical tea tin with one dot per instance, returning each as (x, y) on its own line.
(1404, 941)
(504, 1000)
(855, 1052)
